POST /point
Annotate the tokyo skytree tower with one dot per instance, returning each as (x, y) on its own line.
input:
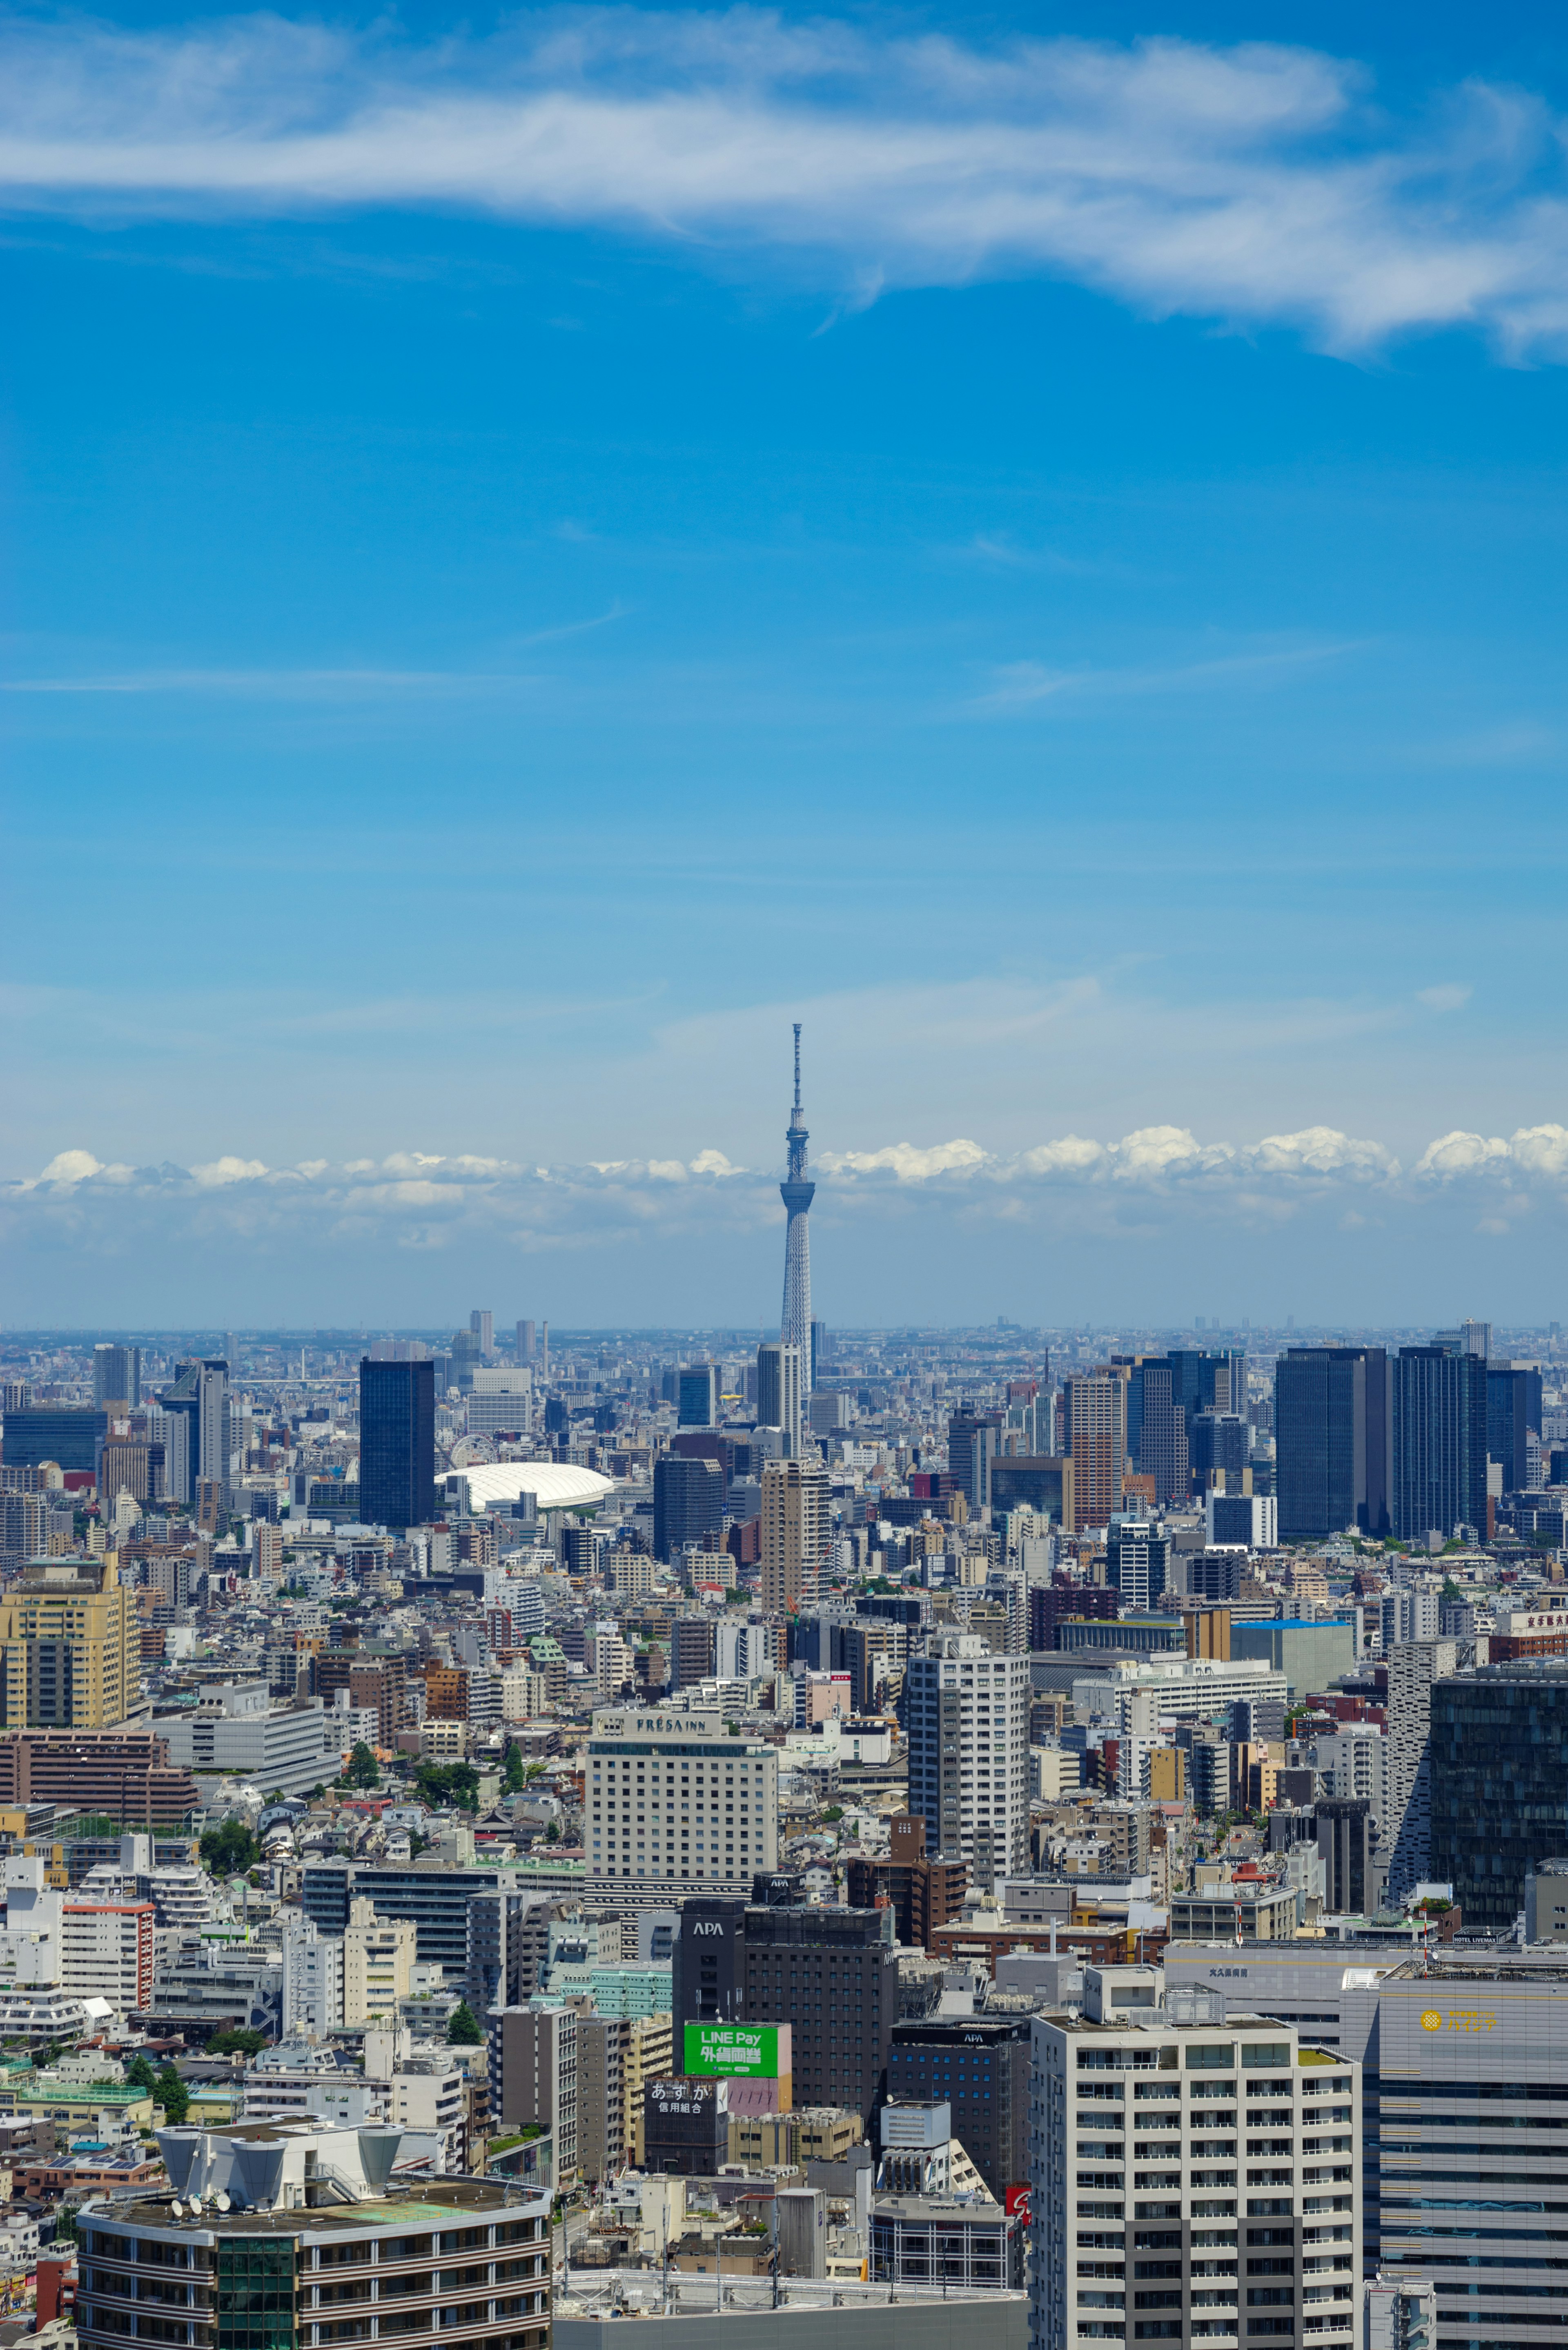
(796, 1192)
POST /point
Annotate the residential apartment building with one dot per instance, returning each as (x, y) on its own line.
(1413, 1672)
(378, 1961)
(967, 1717)
(796, 1527)
(1193, 2179)
(533, 2076)
(70, 1652)
(107, 1951)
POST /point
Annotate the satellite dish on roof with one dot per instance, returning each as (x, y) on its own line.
(223, 2201)
(178, 2209)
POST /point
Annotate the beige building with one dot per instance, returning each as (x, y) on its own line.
(1097, 1443)
(649, 2056)
(797, 1523)
(377, 1957)
(70, 1648)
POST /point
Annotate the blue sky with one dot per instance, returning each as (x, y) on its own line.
(539, 549)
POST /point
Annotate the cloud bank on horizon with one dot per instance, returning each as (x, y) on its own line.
(427, 1200)
(1256, 184)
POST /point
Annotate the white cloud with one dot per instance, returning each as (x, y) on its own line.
(1461, 1154)
(427, 1200)
(907, 1164)
(1253, 184)
(1452, 996)
(229, 1170)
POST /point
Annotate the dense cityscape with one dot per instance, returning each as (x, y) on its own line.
(729, 1815)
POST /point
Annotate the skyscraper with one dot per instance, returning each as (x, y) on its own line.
(697, 1396)
(201, 1391)
(778, 1393)
(1439, 1443)
(397, 1443)
(796, 1192)
(797, 1517)
(1331, 1438)
(1096, 1443)
(115, 1376)
(525, 1342)
(688, 1501)
(481, 1326)
(968, 1727)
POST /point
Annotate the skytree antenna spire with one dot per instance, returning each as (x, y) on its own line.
(797, 1191)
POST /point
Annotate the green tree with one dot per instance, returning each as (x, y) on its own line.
(241, 2042)
(514, 1778)
(172, 2095)
(140, 2074)
(463, 2029)
(448, 1782)
(361, 1770)
(65, 2225)
(230, 1850)
(1451, 1588)
(553, 1833)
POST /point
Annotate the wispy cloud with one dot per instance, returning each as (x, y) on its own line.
(282, 684)
(1253, 184)
(1018, 685)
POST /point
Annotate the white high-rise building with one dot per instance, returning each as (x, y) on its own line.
(1194, 2177)
(969, 1753)
(779, 1394)
(675, 1807)
(1408, 1614)
(312, 1980)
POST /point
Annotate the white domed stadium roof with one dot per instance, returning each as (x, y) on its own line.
(554, 1485)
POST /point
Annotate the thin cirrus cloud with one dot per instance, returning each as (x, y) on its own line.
(1256, 184)
(431, 1199)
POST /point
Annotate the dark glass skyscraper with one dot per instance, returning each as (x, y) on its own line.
(1500, 1784)
(1439, 1443)
(688, 1501)
(1512, 1409)
(397, 1443)
(1332, 1437)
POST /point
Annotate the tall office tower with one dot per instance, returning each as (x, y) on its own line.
(1439, 1443)
(796, 1192)
(1466, 2114)
(397, 1444)
(1219, 1443)
(688, 1501)
(832, 1975)
(1499, 1783)
(796, 1527)
(1475, 1338)
(974, 1440)
(1512, 1416)
(675, 1807)
(1333, 1442)
(116, 1378)
(821, 1348)
(968, 1727)
(1345, 1826)
(201, 1390)
(481, 1326)
(1408, 1824)
(230, 1350)
(1162, 2197)
(1097, 1444)
(70, 1654)
(697, 1396)
(525, 1342)
(1156, 1435)
(779, 1402)
(1138, 1563)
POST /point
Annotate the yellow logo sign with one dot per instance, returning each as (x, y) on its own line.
(1431, 2020)
(1457, 2018)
